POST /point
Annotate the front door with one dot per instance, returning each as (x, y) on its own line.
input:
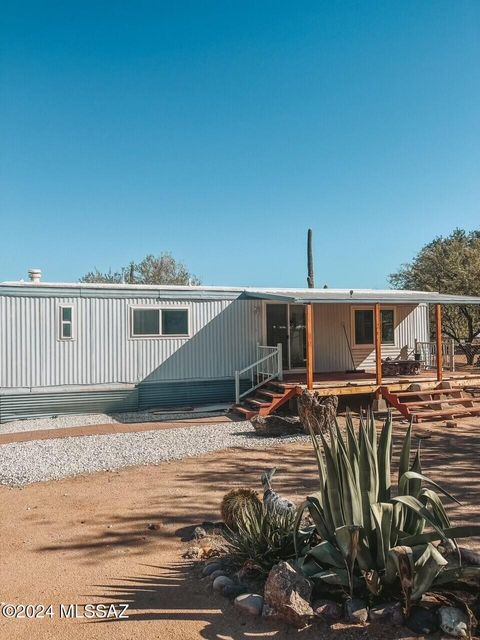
(286, 324)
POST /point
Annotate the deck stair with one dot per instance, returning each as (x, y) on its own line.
(265, 400)
(443, 402)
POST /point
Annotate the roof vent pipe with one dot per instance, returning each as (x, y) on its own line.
(35, 275)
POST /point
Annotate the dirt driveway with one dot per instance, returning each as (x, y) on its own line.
(86, 540)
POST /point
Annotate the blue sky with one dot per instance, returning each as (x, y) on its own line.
(220, 131)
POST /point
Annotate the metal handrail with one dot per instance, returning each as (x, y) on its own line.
(260, 375)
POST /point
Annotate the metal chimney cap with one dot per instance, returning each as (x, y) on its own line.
(35, 275)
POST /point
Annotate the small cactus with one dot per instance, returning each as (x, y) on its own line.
(234, 503)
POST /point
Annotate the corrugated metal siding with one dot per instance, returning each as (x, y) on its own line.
(225, 333)
(38, 405)
(331, 349)
(196, 392)
(20, 406)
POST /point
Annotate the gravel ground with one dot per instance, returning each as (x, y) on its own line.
(39, 460)
(63, 422)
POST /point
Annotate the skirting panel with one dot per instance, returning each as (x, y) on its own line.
(45, 404)
(187, 393)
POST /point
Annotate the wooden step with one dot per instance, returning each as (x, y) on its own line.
(421, 403)
(269, 394)
(446, 413)
(247, 412)
(258, 403)
(426, 392)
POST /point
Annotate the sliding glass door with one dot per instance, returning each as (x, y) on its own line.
(286, 324)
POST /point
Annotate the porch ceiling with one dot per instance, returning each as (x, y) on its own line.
(357, 296)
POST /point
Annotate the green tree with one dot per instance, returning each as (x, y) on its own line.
(162, 269)
(449, 265)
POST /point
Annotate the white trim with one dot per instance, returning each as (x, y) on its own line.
(61, 322)
(372, 309)
(160, 308)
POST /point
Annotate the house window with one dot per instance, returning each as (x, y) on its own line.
(175, 322)
(146, 322)
(155, 322)
(364, 326)
(66, 323)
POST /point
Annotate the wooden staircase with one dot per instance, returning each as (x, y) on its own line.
(265, 400)
(442, 402)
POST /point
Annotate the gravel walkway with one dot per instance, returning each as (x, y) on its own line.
(63, 422)
(40, 460)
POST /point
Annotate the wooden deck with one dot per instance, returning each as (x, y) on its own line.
(341, 383)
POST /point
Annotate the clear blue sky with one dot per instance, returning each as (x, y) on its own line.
(221, 130)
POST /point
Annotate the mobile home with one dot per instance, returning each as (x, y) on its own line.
(84, 348)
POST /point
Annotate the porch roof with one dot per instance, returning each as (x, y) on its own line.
(358, 296)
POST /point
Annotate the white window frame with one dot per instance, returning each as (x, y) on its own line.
(372, 309)
(160, 308)
(62, 322)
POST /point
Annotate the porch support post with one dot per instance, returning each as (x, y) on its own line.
(438, 336)
(378, 342)
(309, 344)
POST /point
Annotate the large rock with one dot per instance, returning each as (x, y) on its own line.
(454, 622)
(422, 621)
(287, 596)
(316, 411)
(221, 582)
(327, 610)
(250, 603)
(273, 426)
(388, 612)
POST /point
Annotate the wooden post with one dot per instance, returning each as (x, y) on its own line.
(377, 317)
(309, 340)
(438, 335)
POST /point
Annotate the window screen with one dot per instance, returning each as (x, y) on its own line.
(364, 326)
(175, 322)
(66, 323)
(146, 322)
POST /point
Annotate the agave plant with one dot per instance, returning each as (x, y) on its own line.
(366, 532)
(263, 536)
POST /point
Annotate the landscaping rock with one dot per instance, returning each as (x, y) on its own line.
(216, 574)
(389, 612)
(208, 569)
(422, 621)
(454, 621)
(327, 610)
(273, 426)
(356, 611)
(222, 581)
(287, 595)
(250, 603)
(233, 590)
(199, 532)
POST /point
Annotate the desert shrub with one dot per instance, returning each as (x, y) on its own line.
(263, 537)
(367, 533)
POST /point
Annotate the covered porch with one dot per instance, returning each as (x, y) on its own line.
(346, 342)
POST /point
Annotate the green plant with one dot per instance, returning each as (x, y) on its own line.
(364, 534)
(263, 537)
(234, 503)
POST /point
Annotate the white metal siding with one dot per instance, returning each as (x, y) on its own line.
(224, 337)
(331, 349)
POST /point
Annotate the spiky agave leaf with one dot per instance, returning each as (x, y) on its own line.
(400, 562)
(428, 563)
